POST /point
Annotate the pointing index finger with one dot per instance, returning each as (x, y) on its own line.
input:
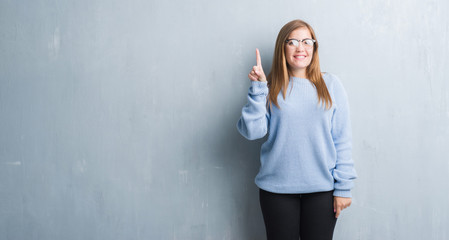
(259, 64)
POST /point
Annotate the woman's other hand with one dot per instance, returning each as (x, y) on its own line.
(341, 203)
(257, 73)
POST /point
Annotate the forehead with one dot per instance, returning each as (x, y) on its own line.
(300, 33)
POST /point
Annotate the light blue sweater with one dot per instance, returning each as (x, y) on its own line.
(308, 148)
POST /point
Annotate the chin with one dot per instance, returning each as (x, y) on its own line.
(300, 66)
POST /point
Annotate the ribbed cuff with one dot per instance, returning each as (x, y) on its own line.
(342, 193)
(258, 87)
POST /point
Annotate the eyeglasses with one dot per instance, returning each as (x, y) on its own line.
(307, 42)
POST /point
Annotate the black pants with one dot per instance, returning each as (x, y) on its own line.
(291, 216)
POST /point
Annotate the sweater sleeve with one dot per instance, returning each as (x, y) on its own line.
(254, 121)
(344, 172)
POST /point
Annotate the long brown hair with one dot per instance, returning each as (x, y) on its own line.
(280, 73)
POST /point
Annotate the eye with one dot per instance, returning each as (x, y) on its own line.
(308, 42)
(293, 42)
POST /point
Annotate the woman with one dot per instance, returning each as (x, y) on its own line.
(307, 170)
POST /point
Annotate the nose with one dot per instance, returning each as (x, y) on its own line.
(300, 47)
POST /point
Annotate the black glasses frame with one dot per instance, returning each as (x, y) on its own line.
(313, 40)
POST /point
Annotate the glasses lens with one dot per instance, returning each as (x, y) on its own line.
(308, 42)
(293, 43)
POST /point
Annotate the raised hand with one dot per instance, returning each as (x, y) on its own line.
(257, 73)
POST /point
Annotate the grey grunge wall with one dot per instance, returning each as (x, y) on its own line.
(117, 118)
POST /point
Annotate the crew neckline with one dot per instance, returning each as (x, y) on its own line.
(298, 78)
(302, 79)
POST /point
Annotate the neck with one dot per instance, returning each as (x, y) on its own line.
(300, 73)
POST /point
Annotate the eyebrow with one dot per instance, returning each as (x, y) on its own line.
(298, 39)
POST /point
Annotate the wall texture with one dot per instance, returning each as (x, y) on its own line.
(117, 118)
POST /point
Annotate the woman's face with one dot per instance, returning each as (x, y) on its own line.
(298, 58)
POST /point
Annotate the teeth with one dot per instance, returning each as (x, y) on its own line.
(300, 56)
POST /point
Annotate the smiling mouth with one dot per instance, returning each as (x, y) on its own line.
(299, 57)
